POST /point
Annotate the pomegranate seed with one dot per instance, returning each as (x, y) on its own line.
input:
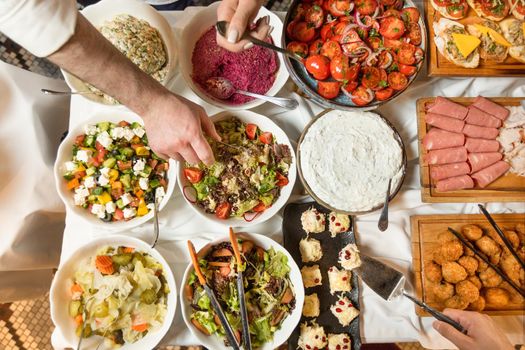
(338, 310)
(332, 218)
(338, 347)
(337, 224)
(346, 340)
(317, 217)
(324, 338)
(344, 278)
(316, 280)
(341, 302)
(308, 346)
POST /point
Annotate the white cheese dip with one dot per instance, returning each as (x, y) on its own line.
(347, 159)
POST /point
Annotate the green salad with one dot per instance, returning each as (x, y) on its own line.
(269, 293)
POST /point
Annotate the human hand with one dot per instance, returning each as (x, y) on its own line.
(175, 127)
(240, 14)
(482, 332)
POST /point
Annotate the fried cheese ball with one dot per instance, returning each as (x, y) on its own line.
(512, 269)
(515, 297)
(456, 302)
(509, 234)
(520, 230)
(475, 281)
(468, 252)
(490, 278)
(478, 304)
(446, 236)
(467, 291)
(453, 272)
(442, 291)
(433, 272)
(472, 232)
(482, 265)
(449, 251)
(469, 263)
(488, 246)
(496, 297)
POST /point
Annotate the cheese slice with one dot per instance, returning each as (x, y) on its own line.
(498, 38)
(465, 43)
(482, 29)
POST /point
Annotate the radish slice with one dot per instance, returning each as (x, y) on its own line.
(190, 197)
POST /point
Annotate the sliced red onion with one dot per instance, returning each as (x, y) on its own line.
(351, 7)
(349, 27)
(188, 195)
(389, 62)
(250, 216)
(354, 60)
(330, 19)
(376, 12)
(371, 57)
(358, 20)
(370, 94)
(348, 94)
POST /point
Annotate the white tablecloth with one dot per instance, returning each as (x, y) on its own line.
(380, 321)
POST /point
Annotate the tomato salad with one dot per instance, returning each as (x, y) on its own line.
(367, 50)
(113, 172)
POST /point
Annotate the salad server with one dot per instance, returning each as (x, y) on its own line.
(214, 302)
(247, 343)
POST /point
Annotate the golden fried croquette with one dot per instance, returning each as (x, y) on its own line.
(496, 297)
(512, 269)
(482, 265)
(478, 304)
(511, 235)
(453, 272)
(490, 278)
(432, 272)
(515, 297)
(475, 281)
(520, 230)
(446, 236)
(468, 252)
(488, 246)
(456, 302)
(472, 232)
(449, 251)
(442, 291)
(469, 263)
(467, 291)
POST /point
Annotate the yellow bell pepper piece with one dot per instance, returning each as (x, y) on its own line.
(113, 174)
(142, 151)
(79, 168)
(142, 210)
(104, 198)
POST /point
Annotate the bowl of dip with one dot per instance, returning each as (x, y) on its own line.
(256, 70)
(138, 31)
(354, 181)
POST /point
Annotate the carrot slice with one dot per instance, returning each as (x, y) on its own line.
(104, 264)
(78, 320)
(219, 263)
(128, 249)
(141, 327)
(72, 184)
(76, 288)
(199, 326)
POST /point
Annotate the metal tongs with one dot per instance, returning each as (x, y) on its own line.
(247, 343)
(214, 302)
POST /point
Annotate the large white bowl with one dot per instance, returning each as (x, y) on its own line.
(200, 24)
(289, 324)
(106, 10)
(264, 124)
(64, 154)
(60, 295)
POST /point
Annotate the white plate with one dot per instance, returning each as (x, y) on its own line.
(289, 324)
(264, 124)
(60, 295)
(201, 22)
(106, 10)
(64, 154)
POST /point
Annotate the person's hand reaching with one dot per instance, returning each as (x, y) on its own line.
(240, 14)
(482, 332)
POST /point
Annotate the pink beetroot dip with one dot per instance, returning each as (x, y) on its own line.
(251, 70)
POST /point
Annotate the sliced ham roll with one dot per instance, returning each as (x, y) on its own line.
(445, 123)
(447, 155)
(455, 183)
(493, 108)
(488, 175)
(440, 172)
(439, 139)
(480, 161)
(481, 145)
(480, 132)
(478, 117)
(448, 108)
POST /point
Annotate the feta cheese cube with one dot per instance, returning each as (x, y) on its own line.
(150, 206)
(111, 207)
(83, 155)
(99, 210)
(103, 180)
(129, 213)
(82, 191)
(79, 199)
(90, 129)
(159, 193)
(139, 131)
(126, 198)
(89, 182)
(128, 134)
(71, 166)
(117, 133)
(139, 166)
(104, 139)
(105, 171)
(143, 183)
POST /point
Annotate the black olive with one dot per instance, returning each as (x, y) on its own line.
(107, 218)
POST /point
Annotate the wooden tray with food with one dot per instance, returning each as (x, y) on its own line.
(463, 161)
(447, 274)
(476, 37)
(322, 243)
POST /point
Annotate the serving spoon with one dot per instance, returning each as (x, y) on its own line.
(223, 89)
(383, 218)
(222, 28)
(64, 93)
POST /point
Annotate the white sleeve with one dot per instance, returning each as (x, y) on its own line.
(40, 26)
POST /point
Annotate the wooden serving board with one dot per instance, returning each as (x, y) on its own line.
(438, 65)
(425, 230)
(508, 188)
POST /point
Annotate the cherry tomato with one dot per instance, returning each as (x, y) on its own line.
(410, 14)
(375, 42)
(79, 140)
(388, 2)
(442, 3)
(520, 7)
(342, 5)
(406, 54)
(384, 94)
(493, 8)
(341, 69)
(384, 80)
(334, 10)
(406, 69)
(385, 59)
(371, 77)
(223, 210)
(328, 31)
(266, 138)
(118, 215)
(392, 13)
(259, 208)
(281, 179)
(340, 28)
(397, 80)
(304, 32)
(328, 89)
(362, 96)
(366, 7)
(251, 131)
(315, 47)
(414, 33)
(331, 49)
(350, 86)
(457, 10)
(299, 11)
(318, 66)
(193, 175)
(419, 55)
(392, 44)
(314, 16)
(300, 49)
(290, 29)
(363, 33)
(392, 28)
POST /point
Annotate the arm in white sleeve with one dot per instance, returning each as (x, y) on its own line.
(40, 26)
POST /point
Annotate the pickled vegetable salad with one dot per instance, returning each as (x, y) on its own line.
(121, 294)
(248, 173)
(114, 173)
(268, 291)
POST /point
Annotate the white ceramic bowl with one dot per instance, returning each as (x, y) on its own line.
(264, 124)
(60, 295)
(106, 10)
(289, 324)
(200, 24)
(64, 154)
